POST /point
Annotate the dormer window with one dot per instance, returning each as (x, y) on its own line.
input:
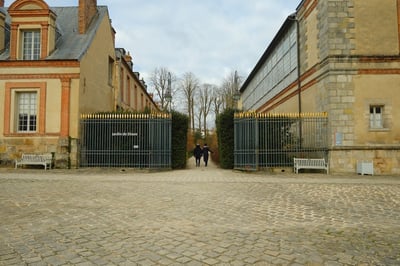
(31, 45)
(33, 30)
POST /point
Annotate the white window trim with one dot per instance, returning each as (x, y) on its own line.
(31, 55)
(376, 120)
(18, 95)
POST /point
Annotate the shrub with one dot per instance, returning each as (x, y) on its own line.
(225, 132)
(179, 139)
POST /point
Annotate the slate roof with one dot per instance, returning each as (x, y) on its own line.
(70, 45)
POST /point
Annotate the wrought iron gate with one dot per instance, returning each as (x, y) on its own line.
(272, 140)
(126, 140)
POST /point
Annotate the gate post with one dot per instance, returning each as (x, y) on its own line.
(257, 143)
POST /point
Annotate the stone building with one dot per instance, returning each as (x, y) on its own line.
(342, 58)
(130, 90)
(56, 63)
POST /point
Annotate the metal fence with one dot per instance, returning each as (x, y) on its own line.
(273, 140)
(126, 140)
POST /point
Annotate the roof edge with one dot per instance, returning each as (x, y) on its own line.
(290, 20)
(102, 11)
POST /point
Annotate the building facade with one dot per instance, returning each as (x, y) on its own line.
(56, 63)
(342, 58)
(130, 90)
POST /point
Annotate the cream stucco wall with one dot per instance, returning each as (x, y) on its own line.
(2, 95)
(53, 91)
(74, 109)
(96, 93)
(376, 26)
(376, 90)
(289, 106)
(311, 49)
(31, 7)
(53, 106)
(52, 36)
(309, 100)
(37, 70)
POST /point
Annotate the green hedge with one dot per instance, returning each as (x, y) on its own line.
(225, 132)
(180, 124)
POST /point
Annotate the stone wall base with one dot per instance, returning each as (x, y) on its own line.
(386, 161)
(63, 148)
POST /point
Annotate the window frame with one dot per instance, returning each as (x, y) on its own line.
(111, 69)
(376, 119)
(10, 105)
(31, 53)
(31, 109)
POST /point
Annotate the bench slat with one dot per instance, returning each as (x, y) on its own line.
(305, 163)
(35, 159)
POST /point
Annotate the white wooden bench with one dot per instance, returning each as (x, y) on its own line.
(305, 163)
(45, 159)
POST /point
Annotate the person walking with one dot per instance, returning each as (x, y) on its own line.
(206, 151)
(197, 152)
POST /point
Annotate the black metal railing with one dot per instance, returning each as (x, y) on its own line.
(273, 140)
(126, 140)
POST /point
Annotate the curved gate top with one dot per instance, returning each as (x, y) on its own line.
(264, 140)
(125, 140)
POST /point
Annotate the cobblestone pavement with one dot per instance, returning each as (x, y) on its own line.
(198, 216)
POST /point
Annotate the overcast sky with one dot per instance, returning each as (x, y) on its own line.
(209, 38)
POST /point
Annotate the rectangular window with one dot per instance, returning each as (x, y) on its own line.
(376, 116)
(128, 90)
(27, 111)
(122, 86)
(31, 45)
(110, 71)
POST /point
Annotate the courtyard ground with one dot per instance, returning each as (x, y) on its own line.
(197, 216)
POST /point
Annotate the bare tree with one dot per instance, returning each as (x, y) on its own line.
(161, 79)
(206, 99)
(217, 100)
(230, 88)
(189, 86)
(199, 117)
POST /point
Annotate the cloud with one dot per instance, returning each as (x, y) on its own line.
(208, 37)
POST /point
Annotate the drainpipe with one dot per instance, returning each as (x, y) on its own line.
(298, 63)
(296, 20)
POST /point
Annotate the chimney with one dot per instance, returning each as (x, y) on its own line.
(128, 59)
(87, 11)
(113, 33)
(1, 3)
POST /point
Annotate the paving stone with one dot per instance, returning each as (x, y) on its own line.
(197, 216)
(39, 263)
(194, 263)
(183, 260)
(251, 260)
(32, 259)
(211, 261)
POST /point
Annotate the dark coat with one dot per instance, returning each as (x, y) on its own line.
(206, 151)
(197, 152)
